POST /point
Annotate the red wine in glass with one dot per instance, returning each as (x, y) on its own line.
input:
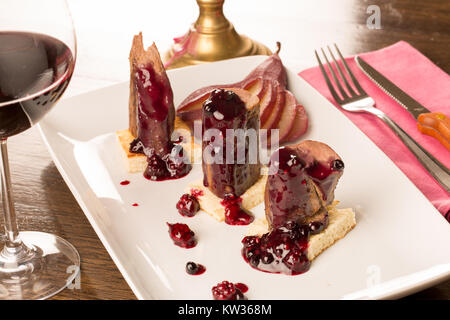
(35, 69)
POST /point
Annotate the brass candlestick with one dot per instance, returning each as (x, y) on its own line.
(212, 37)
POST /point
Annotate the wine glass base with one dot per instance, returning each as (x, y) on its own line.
(47, 265)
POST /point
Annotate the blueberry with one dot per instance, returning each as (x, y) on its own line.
(250, 241)
(279, 253)
(338, 165)
(254, 260)
(291, 225)
(267, 258)
(191, 267)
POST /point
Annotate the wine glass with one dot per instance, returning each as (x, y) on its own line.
(37, 58)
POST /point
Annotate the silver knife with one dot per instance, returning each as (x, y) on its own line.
(414, 107)
(436, 168)
(440, 122)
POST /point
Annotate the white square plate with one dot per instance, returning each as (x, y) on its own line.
(399, 245)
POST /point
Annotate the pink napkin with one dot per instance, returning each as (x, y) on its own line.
(424, 81)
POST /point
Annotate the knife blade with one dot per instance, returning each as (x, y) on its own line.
(435, 124)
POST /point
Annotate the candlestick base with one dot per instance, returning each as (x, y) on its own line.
(211, 38)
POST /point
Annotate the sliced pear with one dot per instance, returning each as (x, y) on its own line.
(271, 69)
(300, 125)
(275, 112)
(255, 87)
(287, 116)
(267, 100)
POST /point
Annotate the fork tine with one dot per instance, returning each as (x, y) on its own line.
(327, 80)
(336, 80)
(355, 82)
(343, 77)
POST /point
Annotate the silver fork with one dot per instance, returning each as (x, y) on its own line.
(361, 102)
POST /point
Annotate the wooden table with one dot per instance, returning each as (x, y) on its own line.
(43, 200)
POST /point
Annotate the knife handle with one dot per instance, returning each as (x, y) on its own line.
(440, 172)
(437, 125)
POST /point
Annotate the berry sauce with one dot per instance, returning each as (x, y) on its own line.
(136, 146)
(135, 204)
(182, 235)
(195, 269)
(124, 182)
(319, 224)
(241, 286)
(322, 175)
(234, 213)
(222, 105)
(226, 290)
(156, 114)
(196, 193)
(168, 167)
(154, 108)
(188, 205)
(282, 250)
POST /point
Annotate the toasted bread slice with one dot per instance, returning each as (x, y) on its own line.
(210, 203)
(341, 221)
(134, 162)
(137, 162)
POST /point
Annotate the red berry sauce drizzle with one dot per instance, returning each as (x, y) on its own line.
(188, 205)
(195, 269)
(182, 235)
(196, 193)
(234, 213)
(241, 286)
(283, 250)
(124, 182)
(226, 290)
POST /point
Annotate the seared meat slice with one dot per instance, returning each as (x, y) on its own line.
(301, 183)
(230, 157)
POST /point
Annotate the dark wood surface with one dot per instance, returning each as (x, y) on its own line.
(45, 203)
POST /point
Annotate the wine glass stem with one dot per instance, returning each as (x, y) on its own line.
(11, 229)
